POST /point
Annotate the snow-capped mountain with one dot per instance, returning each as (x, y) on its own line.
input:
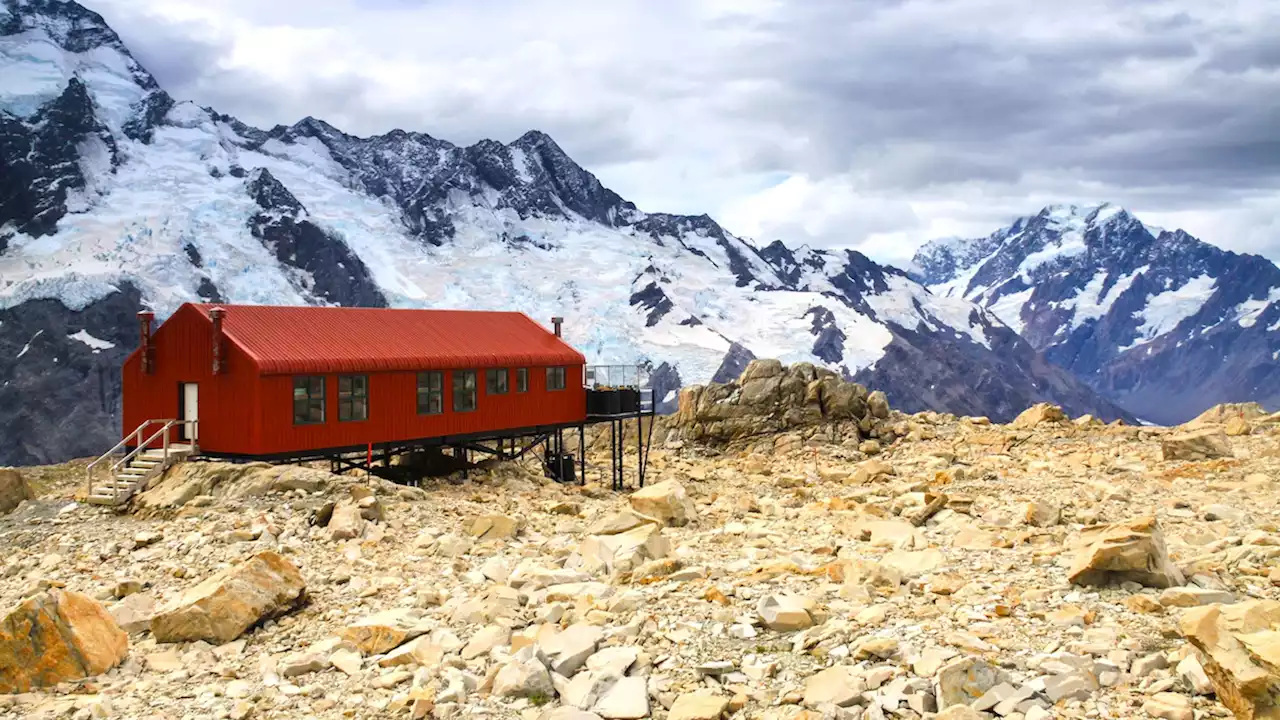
(1163, 324)
(115, 197)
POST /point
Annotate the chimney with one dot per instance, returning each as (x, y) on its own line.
(215, 316)
(145, 318)
(556, 322)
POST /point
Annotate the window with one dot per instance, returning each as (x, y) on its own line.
(464, 390)
(353, 398)
(430, 393)
(555, 378)
(522, 380)
(495, 381)
(308, 400)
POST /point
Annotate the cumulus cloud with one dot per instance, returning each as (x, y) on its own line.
(873, 124)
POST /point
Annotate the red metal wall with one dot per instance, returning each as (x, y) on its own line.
(183, 347)
(393, 411)
(244, 413)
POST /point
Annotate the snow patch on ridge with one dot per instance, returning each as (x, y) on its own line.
(905, 300)
(1248, 312)
(1091, 303)
(521, 163)
(26, 348)
(1009, 308)
(96, 344)
(1166, 310)
(1069, 245)
(37, 70)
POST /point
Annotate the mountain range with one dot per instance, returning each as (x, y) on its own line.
(115, 197)
(1161, 323)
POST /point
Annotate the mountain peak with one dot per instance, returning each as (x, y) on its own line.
(314, 126)
(535, 138)
(1081, 215)
(72, 26)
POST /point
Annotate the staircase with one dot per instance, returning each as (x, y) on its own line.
(115, 477)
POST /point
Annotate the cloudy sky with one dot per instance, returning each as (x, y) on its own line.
(874, 124)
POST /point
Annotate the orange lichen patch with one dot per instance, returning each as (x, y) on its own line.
(57, 636)
(1201, 469)
(715, 595)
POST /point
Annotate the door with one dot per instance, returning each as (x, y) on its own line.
(189, 411)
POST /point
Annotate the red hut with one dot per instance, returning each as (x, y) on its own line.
(288, 382)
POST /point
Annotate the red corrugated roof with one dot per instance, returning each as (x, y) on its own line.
(287, 339)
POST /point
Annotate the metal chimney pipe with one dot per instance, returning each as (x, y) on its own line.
(215, 316)
(556, 322)
(145, 318)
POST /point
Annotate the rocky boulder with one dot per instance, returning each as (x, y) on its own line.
(1205, 444)
(386, 630)
(1039, 414)
(523, 676)
(840, 685)
(786, 613)
(699, 706)
(494, 527)
(1221, 414)
(769, 398)
(352, 514)
(666, 501)
(1241, 647)
(13, 490)
(620, 553)
(57, 636)
(1127, 551)
(225, 605)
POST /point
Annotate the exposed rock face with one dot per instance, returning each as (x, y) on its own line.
(56, 636)
(78, 384)
(39, 160)
(14, 488)
(1129, 551)
(327, 267)
(768, 398)
(184, 482)
(1242, 646)
(224, 606)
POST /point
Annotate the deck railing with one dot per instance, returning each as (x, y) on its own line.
(618, 390)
